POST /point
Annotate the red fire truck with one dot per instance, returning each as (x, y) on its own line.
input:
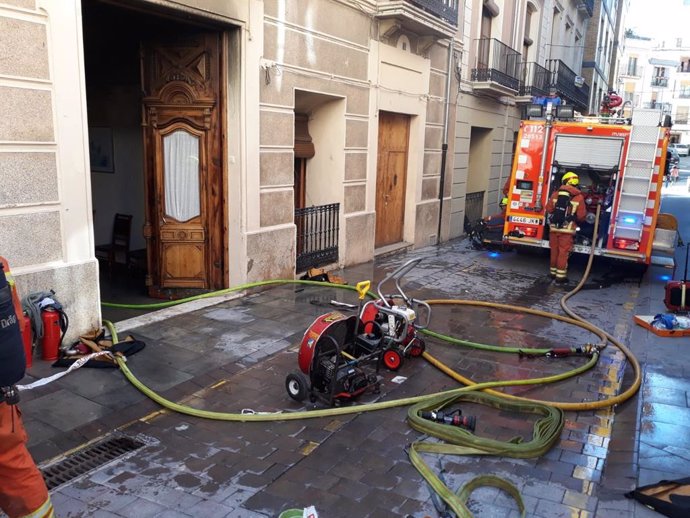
(620, 164)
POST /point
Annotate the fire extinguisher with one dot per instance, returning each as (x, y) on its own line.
(28, 339)
(55, 324)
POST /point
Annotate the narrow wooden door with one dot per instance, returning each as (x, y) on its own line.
(391, 175)
(184, 178)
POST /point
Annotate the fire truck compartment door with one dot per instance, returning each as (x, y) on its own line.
(596, 152)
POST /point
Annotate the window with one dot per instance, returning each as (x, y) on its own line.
(681, 115)
(632, 66)
(483, 50)
(528, 24)
(527, 40)
(684, 91)
(486, 23)
(181, 174)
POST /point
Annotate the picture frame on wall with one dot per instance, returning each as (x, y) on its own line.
(101, 150)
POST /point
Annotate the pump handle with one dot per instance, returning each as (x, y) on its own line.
(363, 288)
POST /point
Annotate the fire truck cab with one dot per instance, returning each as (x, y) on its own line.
(620, 164)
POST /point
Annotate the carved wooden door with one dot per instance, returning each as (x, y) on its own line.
(183, 158)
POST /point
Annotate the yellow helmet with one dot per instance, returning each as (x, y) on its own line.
(570, 178)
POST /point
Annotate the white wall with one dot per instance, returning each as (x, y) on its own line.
(121, 191)
(326, 170)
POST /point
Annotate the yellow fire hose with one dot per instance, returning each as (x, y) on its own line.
(574, 319)
(546, 431)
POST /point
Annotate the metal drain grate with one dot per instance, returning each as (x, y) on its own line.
(89, 458)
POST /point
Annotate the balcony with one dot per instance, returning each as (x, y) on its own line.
(586, 6)
(534, 81)
(433, 18)
(563, 79)
(632, 72)
(498, 68)
(661, 82)
(684, 94)
(655, 105)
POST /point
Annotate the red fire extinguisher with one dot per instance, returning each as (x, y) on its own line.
(28, 339)
(52, 333)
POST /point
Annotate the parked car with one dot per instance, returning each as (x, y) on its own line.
(683, 149)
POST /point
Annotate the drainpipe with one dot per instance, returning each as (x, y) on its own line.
(444, 146)
(503, 147)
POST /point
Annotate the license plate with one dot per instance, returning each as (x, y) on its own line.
(528, 221)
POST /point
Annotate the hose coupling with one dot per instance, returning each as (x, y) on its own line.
(592, 349)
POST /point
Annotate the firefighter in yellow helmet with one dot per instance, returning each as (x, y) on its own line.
(502, 205)
(566, 207)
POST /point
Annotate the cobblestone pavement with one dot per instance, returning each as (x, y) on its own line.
(235, 355)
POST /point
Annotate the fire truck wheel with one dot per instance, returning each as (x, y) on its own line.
(297, 386)
(418, 348)
(392, 359)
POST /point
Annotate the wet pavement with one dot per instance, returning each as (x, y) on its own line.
(235, 355)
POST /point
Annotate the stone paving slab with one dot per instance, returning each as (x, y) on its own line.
(236, 354)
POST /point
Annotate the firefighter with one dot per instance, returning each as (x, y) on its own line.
(566, 207)
(23, 493)
(503, 205)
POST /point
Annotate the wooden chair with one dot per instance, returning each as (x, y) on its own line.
(117, 251)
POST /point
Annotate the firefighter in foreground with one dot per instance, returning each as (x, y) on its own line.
(566, 207)
(23, 492)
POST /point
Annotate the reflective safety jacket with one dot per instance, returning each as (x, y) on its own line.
(12, 361)
(577, 212)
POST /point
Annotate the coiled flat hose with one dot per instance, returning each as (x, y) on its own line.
(546, 430)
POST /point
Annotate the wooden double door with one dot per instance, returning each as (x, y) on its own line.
(183, 152)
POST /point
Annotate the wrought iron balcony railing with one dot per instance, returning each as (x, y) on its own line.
(317, 235)
(474, 208)
(498, 63)
(660, 81)
(445, 9)
(586, 5)
(565, 81)
(632, 72)
(534, 80)
(655, 105)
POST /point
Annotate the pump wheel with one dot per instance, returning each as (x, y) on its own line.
(417, 348)
(392, 359)
(297, 386)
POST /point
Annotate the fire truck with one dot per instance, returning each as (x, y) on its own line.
(620, 164)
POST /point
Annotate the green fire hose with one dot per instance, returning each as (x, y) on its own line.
(546, 430)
